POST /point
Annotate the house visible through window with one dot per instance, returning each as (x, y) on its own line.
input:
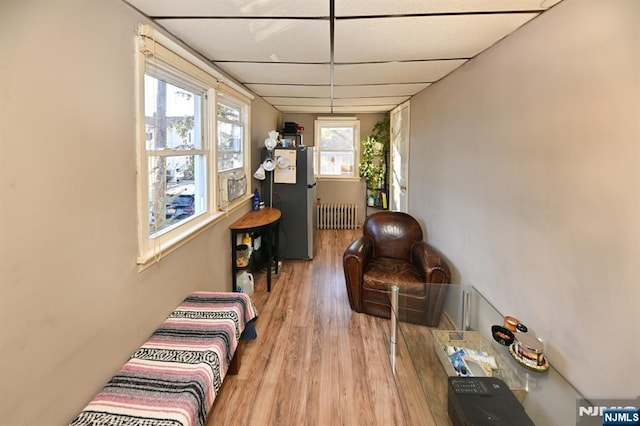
(192, 145)
(176, 160)
(337, 147)
(230, 135)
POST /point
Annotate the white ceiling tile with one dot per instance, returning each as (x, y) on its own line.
(268, 40)
(398, 7)
(394, 72)
(232, 8)
(299, 101)
(365, 101)
(380, 61)
(278, 73)
(305, 109)
(290, 90)
(362, 104)
(417, 38)
(378, 90)
(364, 109)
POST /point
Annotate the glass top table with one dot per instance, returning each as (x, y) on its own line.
(421, 366)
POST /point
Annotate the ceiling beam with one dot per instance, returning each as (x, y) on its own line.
(332, 38)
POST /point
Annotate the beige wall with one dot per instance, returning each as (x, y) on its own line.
(264, 119)
(528, 161)
(73, 306)
(332, 190)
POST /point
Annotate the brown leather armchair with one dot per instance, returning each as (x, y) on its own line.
(391, 250)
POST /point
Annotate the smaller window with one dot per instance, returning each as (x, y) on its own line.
(232, 122)
(230, 135)
(337, 147)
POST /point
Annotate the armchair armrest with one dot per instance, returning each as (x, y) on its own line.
(429, 263)
(354, 260)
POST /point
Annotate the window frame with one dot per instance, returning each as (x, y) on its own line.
(157, 55)
(234, 100)
(203, 152)
(321, 122)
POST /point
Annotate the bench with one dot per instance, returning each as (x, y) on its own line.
(174, 377)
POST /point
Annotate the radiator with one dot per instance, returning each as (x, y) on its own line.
(337, 216)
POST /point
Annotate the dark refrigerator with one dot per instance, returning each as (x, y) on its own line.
(291, 188)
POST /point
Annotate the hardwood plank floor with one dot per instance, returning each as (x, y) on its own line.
(315, 362)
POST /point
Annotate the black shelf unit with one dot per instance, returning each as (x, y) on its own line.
(290, 140)
(378, 198)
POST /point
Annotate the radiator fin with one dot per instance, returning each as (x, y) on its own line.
(337, 216)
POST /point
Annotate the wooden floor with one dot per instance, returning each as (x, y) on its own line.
(315, 362)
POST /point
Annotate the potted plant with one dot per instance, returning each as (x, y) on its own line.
(372, 166)
(382, 131)
(373, 162)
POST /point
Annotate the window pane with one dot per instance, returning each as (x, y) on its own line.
(229, 112)
(336, 163)
(337, 148)
(336, 138)
(176, 190)
(230, 138)
(172, 116)
(180, 169)
(173, 122)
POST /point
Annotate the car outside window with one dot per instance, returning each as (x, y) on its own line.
(192, 139)
(176, 162)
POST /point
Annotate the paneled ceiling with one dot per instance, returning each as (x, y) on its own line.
(339, 56)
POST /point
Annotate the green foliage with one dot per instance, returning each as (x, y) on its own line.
(183, 127)
(382, 131)
(372, 166)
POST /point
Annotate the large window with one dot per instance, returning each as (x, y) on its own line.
(177, 162)
(193, 132)
(337, 147)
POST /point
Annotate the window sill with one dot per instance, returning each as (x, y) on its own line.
(161, 250)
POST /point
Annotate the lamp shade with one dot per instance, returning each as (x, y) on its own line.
(270, 143)
(282, 162)
(269, 164)
(272, 140)
(259, 174)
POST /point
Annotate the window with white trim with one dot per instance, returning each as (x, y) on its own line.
(336, 147)
(180, 134)
(232, 120)
(176, 151)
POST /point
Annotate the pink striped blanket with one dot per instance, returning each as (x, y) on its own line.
(174, 377)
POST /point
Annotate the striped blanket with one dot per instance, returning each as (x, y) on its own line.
(174, 377)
